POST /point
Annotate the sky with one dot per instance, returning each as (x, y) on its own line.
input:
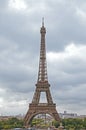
(20, 22)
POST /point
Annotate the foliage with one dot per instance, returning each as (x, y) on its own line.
(72, 124)
(11, 123)
(69, 124)
(55, 123)
(39, 122)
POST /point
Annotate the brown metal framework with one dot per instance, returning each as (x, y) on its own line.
(42, 86)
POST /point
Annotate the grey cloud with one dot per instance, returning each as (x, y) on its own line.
(20, 44)
(3, 4)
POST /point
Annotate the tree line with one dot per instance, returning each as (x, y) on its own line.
(11, 123)
(68, 124)
(72, 124)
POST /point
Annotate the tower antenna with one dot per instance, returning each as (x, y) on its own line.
(43, 21)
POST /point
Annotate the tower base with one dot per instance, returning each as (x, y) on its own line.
(41, 108)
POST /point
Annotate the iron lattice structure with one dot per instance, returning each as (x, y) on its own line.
(42, 86)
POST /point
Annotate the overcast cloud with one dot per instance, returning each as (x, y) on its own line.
(20, 22)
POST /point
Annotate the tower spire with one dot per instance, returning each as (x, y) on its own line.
(42, 21)
(42, 74)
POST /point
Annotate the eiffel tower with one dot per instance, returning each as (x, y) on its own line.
(42, 85)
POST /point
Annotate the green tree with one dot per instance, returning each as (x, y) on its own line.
(84, 123)
(11, 123)
(55, 123)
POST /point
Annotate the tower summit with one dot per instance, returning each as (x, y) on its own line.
(43, 22)
(42, 74)
(42, 86)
